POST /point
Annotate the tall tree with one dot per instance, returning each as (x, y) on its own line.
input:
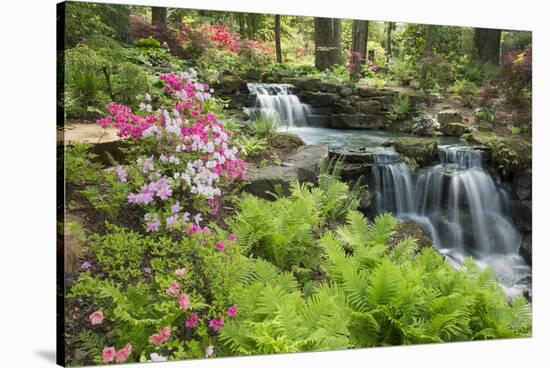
(359, 37)
(487, 43)
(389, 31)
(159, 16)
(328, 42)
(278, 51)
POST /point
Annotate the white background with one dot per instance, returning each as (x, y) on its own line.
(27, 189)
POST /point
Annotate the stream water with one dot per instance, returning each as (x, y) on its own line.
(463, 207)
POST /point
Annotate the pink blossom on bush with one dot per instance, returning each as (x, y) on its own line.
(232, 311)
(108, 354)
(96, 318)
(216, 324)
(123, 354)
(184, 302)
(86, 265)
(220, 246)
(180, 272)
(192, 229)
(232, 238)
(161, 337)
(192, 321)
(174, 289)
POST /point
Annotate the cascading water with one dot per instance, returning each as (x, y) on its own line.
(278, 101)
(457, 202)
(461, 207)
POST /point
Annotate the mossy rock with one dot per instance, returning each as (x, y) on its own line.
(449, 116)
(453, 129)
(411, 229)
(422, 150)
(285, 140)
(370, 106)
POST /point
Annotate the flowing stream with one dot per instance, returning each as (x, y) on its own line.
(464, 209)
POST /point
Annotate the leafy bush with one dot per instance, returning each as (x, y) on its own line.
(485, 114)
(504, 157)
(515, 76)
(137, 283)
(265, 126)
(400, 110)
(80, 165)
(464, 91)
(148, 42)
(403, 71)
(434, 72)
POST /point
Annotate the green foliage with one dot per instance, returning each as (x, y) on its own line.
(503, 156)
(400, 110)
(434, 72)
(148, 42)
(513, 129)
(253, 145)
(464, 91)
(485, 114)
(80, 165)
(403, 71)
(264, 126)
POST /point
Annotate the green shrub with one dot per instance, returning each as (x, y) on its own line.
(485, 114)
(400, 110)
(80, 165)
(403, 71)
(465, 91)
(148, 42)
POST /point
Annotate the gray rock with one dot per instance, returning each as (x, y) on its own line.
(329, 87)
(526, 248)
(370, 106)
(424, 126)
(522, 184)
(449, 116)
(254, 75)
(304, 166)
(320, 99)
(345, 91)
(356, 121)
(453, 129)
(308, 85)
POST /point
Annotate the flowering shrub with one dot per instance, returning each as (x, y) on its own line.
(187, 158)
(515, 75)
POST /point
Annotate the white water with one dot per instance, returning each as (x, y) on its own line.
(456, 201)
(279, 102)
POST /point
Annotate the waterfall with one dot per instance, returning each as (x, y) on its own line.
(459, 205)
(278, 101)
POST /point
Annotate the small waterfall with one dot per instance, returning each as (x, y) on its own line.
(278, 101)
(459, 205)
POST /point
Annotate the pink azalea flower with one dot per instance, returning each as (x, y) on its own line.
(174, 289)
(156, 339)
(192, 229)
(123, 354)
(192, 321)
(86, 265)
(206, 231)
(108, 354)
(184, 302)
(216, 324)
(161, 337)
(232, 238)
(220, 246)
(232, 311)
(180, 272)
(165, 332)
(96, 318)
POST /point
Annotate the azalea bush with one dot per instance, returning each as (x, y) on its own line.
(185, 158)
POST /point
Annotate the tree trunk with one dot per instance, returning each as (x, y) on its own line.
(487, 43)
(328, 42)
(359, 37)
(278, 51)
(389, 41)
(158, 16)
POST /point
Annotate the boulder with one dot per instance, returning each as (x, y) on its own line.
(356, 121)
(230, 83)
(425, 126)
(329, 87)
(345, 91)
(411, 229)
(308, 85)
(454, 129)
(523, 215)
(417, 101)
(254, 75)
(449, 116)
(303, 166)
(365, 91)
(522, 184)
(285, 140)
(320, 99)
(344, 106)
(422, 150)
(369, 107)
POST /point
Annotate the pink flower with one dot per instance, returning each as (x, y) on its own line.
(232, 238)
(232, 311)
(220, 246)
(160, 337)
(122, 354)
(108, 354)
(184, 302)
(96, 318)
(180, 272)
(174, 289)
(216, 324)
(192, 321)
(86, 266)
(192, 229)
